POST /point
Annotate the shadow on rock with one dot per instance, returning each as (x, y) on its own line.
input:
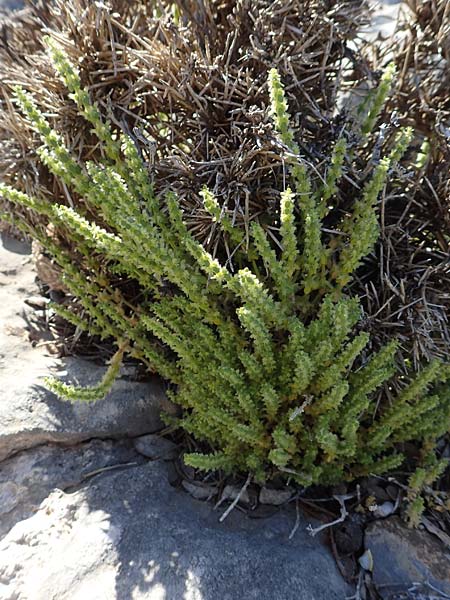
(31, 415)
(10, 243)
(166, 545)
(128, 534)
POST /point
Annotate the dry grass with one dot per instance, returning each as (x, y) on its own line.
(408, 286)
(423, 60)
(191, 90)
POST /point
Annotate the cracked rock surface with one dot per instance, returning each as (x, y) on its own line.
(129, 534)
(27, 478)
(405, 558)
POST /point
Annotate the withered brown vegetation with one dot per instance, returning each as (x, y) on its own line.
(412, 299)
(189, 85)
(422, 54)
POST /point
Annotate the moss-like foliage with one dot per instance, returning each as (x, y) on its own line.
(268, 360)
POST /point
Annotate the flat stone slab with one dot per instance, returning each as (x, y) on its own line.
(405, 558)
(130, 535)
(27, 478)
(31, 415)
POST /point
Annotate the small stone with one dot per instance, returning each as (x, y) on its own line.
(231, 492)
(274, 497)
(384, 510)
(186, 471)
(37, 302)
(403, 557)
(56, 296)
(173, 475)
(199, 491)
(154, 447)
(366, 561)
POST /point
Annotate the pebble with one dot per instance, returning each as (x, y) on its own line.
(231, 492)
(274, 497)
(384, 510)
(366, 561)
(37, 302)
(154, 447)
(199, 491)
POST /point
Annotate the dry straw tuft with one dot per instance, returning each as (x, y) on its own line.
(189, 84)
(408, 287)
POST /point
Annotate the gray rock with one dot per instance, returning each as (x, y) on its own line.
(231, 492)
(384, 510)
(154, 447)
(128, 534)
(29, 414)
(274, 497)
(199, 491)
(403, 557)
(27, 478)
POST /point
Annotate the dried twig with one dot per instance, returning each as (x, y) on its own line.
(236, 500)
(297, 520)
(341, 499)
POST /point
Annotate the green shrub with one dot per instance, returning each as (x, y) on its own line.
(267, 360)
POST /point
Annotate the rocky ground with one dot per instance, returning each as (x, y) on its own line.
(94, 505)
